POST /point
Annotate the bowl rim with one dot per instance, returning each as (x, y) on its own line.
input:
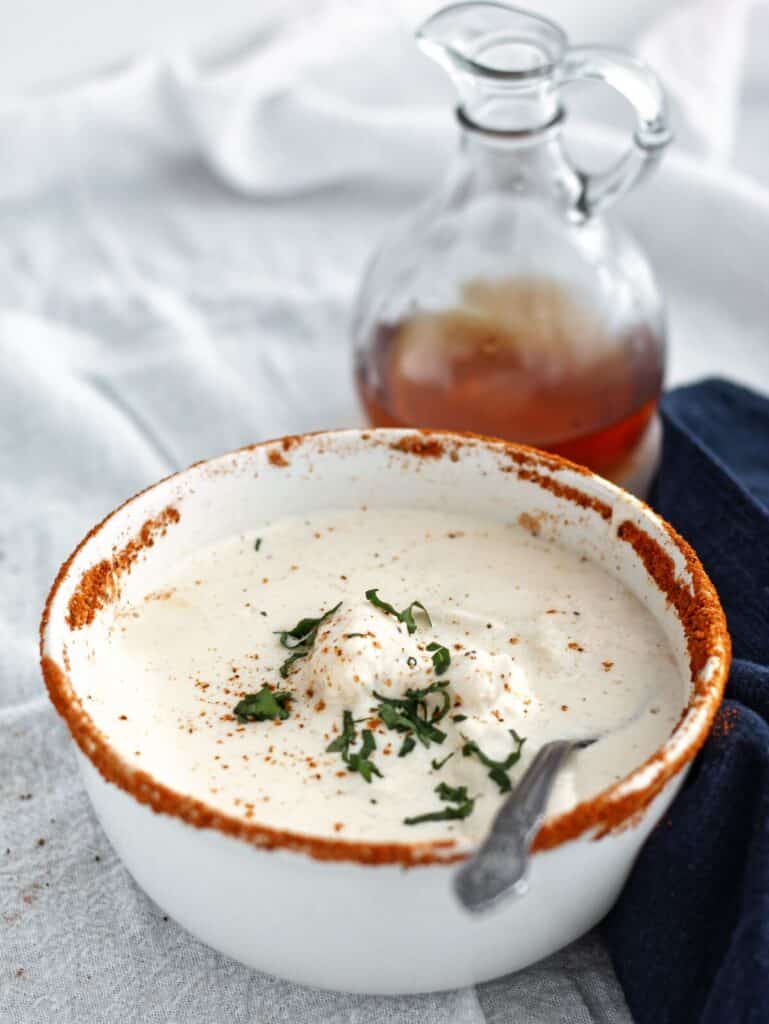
(613, 809)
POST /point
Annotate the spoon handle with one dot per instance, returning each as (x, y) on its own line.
(500, 864)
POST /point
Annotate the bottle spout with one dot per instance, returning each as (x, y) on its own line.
(493, 40)
(496, 56)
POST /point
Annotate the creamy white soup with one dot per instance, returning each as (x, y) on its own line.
(384, 674)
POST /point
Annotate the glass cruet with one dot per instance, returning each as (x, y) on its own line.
(507, 305)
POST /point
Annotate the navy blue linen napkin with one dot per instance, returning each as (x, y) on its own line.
(689, 937)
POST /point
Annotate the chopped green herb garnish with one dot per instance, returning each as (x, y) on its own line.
(406, 616)
(264, 705)
(447, 814)
(347, 736)
(349, 636)
(411, 714)
(437, 765)
(407, 746)
(257, 543)
(452, 795)
(359, 761)
(498, 769)
(441, 658)
(458, 718)
(300, 639)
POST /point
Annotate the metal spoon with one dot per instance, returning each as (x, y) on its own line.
(498, 868)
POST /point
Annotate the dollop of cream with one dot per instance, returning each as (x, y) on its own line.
(361, 650)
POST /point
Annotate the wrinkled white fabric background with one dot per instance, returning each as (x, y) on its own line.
(178, 253)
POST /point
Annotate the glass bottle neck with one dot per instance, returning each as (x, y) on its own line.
(523, 109)
(528, 160)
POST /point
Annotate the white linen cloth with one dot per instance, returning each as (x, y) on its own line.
(178, 253)
(699, 49)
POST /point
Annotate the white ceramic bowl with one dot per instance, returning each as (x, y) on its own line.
(374, 917)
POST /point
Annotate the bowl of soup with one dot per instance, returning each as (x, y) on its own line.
(303, 677)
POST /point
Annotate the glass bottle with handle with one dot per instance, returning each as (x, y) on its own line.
(507, 305)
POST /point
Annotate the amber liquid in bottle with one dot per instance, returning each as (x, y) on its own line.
(522, 360)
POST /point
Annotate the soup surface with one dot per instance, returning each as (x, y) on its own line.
(383, 674)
